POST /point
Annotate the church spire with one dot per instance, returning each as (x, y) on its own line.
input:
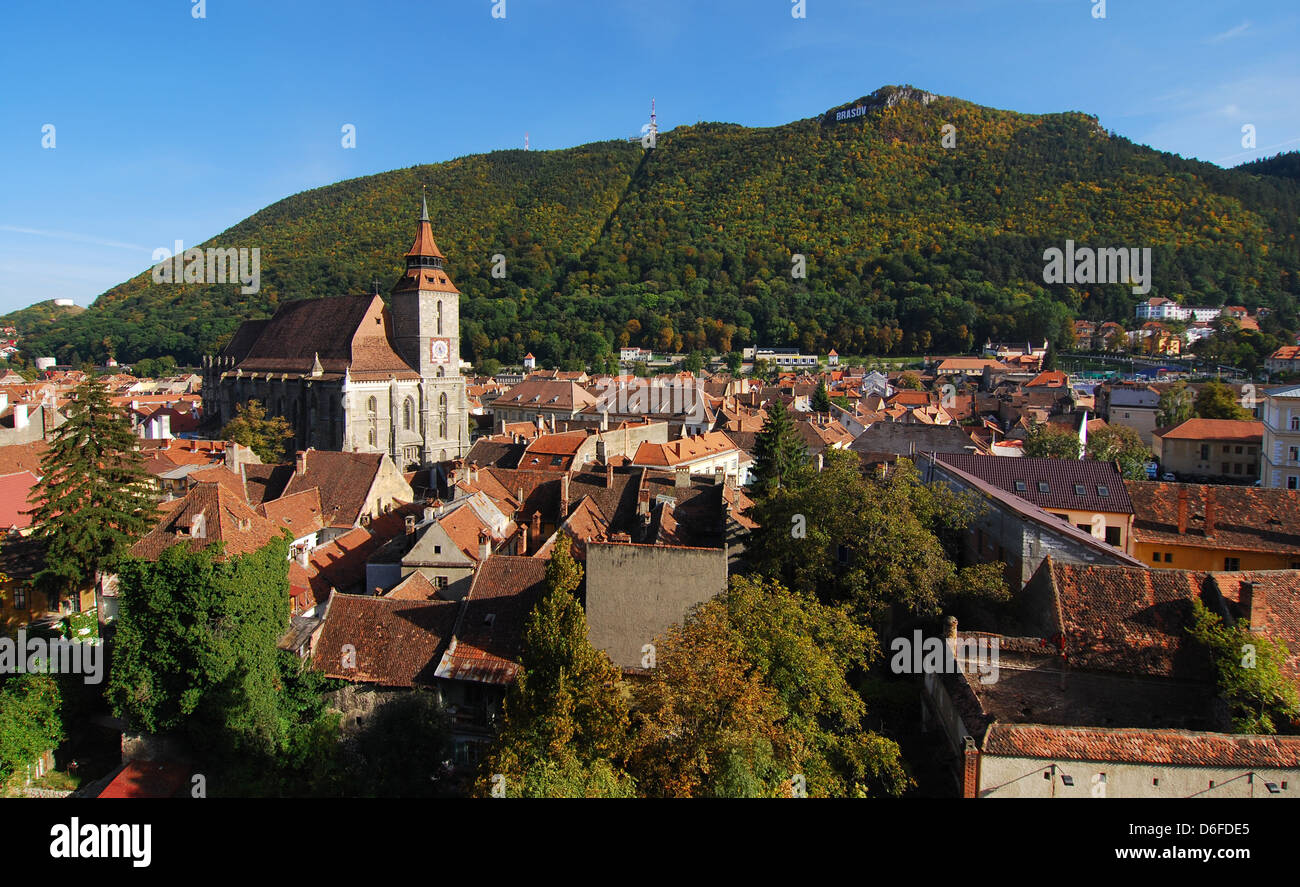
(424, 270)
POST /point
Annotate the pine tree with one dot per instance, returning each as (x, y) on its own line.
(94, 497)
(778, 451)
(266, 437)
(821, 401)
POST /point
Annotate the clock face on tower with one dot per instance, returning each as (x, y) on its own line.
(440, 351)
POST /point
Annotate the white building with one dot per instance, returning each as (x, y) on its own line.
(1281, 415)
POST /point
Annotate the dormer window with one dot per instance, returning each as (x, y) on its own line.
(1103, 491)
(1080, 490)
(1021, 486)
(1043, 487)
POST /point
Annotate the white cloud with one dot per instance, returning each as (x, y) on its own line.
(1230, 33)
(77, 238)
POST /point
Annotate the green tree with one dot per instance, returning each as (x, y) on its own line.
(489, 366)
(872, 542)
(30, 721)
(694, 362)
(1122, 444)
(566, 720)
(1053, 441)
(1049, 359)
(1249, 673)
(778, 450)
(909, 381)
(94, 497)
(267, 437)
(195, 648)
(753, 688)
(1218, 401)
(734, 362)
(1176, 406)
(821, 400)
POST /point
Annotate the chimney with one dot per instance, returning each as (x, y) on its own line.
(643, 503)
(682, 477)
(522, 551)
(1253, 605)
(536, 531)
(410, 524)
(473, 472)
(20, 415)
(300, 466)
(430, 513)
(4, 401)
(609, 475)
(564, 495)
(1209, 511)
(1182, 510)
(484, 546)
(302, 557)
(720, 475)
(165, 431)
(970, 783)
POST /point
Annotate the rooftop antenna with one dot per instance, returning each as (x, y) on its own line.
(526, 148)
(654, 125)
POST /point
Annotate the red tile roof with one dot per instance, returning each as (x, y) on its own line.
(1128, 619)
(397, 643)
(1245, 518)
(490, 630)
(1214, 429)
(1166, 747)
(343, 479)
(225, 519)
(14, 489)
(690, 449)
(1274, 610)
(299, 513)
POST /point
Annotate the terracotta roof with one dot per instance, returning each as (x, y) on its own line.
(685, 450)
(1049, 379)
(489, 632)
(263, 483)
(23, 457)
(343, 479)
(299, 513)
(225, 518)
(220, 474)
(1214, 429)
(1286, 352)
(397, 643)
(1102, 484)
(1274, 607)
(341, 563)
(14, 489)
(1129, 619)
(545, 394)
(415, 587)
(1168, 747)
(344, 332)
(1245, 518)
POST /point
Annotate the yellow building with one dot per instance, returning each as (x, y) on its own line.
(1215, 527)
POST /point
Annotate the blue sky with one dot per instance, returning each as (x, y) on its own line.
(173, 127)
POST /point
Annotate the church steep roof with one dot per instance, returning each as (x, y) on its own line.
(342, 332)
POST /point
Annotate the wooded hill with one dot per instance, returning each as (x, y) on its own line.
(910, 246)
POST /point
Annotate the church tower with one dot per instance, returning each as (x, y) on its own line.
(426, 333)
